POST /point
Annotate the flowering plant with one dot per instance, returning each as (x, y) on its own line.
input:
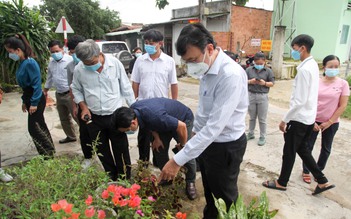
(115, 198)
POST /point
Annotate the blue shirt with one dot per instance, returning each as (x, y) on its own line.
(28, 76)
(161, 114)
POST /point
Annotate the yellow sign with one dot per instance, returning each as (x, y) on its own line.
(266, 45)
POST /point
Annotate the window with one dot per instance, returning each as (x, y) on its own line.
(344, 34)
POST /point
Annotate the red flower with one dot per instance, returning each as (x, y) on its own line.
(63, 203)
(75, 215)
(55, 207)
(90, 212)
(101, 214)
(181, 215)
(68, 208)
(89, 200)
(135, 187)
(105, 194)
(135, 202)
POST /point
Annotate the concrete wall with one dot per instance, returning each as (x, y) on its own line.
(248, 23)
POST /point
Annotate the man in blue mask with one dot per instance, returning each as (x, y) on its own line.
(298, 122)
(57, 77)
(85, 141)
(166, 119)
(153, 74)
(260, 79)
(100, 84)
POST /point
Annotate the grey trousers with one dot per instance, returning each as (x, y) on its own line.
(65, 111)
(258, 108)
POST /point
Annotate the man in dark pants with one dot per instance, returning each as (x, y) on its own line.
(219, 124)
(99, 86)
(298, 122)
(166, 119)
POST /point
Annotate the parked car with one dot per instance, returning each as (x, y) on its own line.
(118, 49)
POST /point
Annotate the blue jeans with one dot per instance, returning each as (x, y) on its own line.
(327, 141)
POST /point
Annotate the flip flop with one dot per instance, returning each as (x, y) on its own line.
(272, 185)
(306, 178)
(320, 190)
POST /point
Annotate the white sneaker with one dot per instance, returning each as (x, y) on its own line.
(86, 163)
(4, 176)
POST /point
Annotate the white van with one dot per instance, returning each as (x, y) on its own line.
(118, 49)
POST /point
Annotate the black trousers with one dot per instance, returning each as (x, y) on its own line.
(115, 158)
(37, 127)
(296, 141)
(220, 167)
(85, 141)
(144, 140)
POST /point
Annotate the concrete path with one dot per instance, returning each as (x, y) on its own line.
(260, 163)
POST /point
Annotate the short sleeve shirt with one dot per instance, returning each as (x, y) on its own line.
(329, 95)
(266, 74)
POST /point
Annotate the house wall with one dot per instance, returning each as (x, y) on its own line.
(246, 24)
(320, 19)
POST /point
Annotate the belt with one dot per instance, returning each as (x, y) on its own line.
(64, 93)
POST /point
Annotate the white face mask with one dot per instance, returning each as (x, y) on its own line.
(197, 70)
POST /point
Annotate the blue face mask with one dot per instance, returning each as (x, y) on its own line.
(295, 54)
(14, 56)
(93, 67)
(130, 132)
(57, 56)
(150, 49)
(138, 55)
(75, 58)
(331, 72)
(259, 67)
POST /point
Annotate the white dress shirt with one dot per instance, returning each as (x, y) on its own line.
(57, 74)
(304, 97)
(102, 92)
(154, 76)
(223, 103)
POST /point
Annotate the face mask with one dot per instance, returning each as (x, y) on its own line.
(75, 58)
(331, 72)
(14, 56)
(197, 70)
(130, 132)
(137, 55)
(295, 54)
(57, 56)
(150, 49)
(259, 67)
(93, 67)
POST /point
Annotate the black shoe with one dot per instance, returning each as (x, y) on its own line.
(190, 190)
(67, 140)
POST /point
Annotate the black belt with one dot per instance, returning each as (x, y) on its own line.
(64, 93)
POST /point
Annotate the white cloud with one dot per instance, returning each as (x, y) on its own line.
(145, 11)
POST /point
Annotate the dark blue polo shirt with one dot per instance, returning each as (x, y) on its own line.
(161, 114)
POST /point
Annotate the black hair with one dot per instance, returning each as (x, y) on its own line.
(303, 40)
(329, 58)
(136, 48)
(53, 43)
(259, 55)
(19, 41)
(196, 35)
(122, 117)
(153, 35)
(74, 40)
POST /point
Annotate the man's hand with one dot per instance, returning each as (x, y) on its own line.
(282, 126)
(156, 144)
(85, 111)
(24, 108)
(74, 110)
(32, 109)
(169, 171)
(316, 127)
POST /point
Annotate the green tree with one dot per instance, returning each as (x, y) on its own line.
(84, 16)
(15, 18)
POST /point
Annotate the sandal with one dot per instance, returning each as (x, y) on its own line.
(271, 184)
(306, 178)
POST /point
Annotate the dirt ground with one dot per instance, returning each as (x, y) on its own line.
(260, 163)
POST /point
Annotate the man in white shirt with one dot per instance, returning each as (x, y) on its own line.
(219, 127)
(57, 77)
(297, 124)
(99, 85)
